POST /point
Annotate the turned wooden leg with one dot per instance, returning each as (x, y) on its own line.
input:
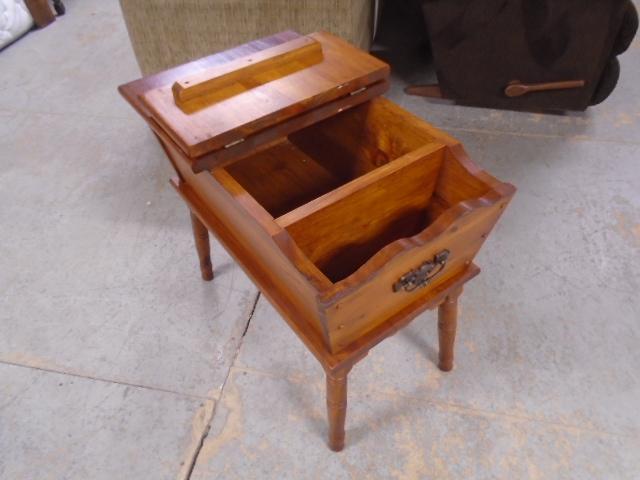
(447, 323)
(336, 408)
(201, 237)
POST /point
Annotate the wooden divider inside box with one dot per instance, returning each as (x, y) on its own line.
(344, 229)
(315, 160)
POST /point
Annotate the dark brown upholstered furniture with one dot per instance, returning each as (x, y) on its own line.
(487, 50)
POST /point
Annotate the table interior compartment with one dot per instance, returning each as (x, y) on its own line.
(318, 159)
(282, 177)
(339, 237)
(348, 186)
(344, 230)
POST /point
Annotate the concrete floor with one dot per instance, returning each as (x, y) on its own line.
(118, 362)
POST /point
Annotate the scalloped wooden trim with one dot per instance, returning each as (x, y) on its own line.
(372, 267)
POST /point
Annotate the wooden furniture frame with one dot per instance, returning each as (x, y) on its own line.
(369, 216)
(42, 12)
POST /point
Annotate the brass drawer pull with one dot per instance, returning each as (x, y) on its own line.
(419, 277)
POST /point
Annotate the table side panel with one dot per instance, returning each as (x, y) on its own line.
(374, 301)
(253, 248)
(431, 298)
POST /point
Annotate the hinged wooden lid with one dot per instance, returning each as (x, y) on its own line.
(220, 106)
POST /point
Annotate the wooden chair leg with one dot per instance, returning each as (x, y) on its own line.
(201, 237)
(429, 91)
(447, 324)
(337, 408)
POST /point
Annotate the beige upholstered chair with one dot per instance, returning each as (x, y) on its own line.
(165, 33)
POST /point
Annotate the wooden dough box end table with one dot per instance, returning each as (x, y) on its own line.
(350, 214)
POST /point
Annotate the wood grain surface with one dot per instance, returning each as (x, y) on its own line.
(344, 69)
(329, 201)
(220, 82)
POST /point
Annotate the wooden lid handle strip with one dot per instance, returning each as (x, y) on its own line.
(232, 78)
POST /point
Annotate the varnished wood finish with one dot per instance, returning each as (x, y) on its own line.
(257, 141)
(344, 69)
(201, 238)
(133, 91)
(367, 137)
(294, 178)
(447, 325)
(517, 89)
(220, 82)
(327, 209)
(341, 231)
(337, 407)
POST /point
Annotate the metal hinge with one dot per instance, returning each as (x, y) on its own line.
(233, 144)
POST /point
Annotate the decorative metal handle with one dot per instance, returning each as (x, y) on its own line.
(422, 275)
